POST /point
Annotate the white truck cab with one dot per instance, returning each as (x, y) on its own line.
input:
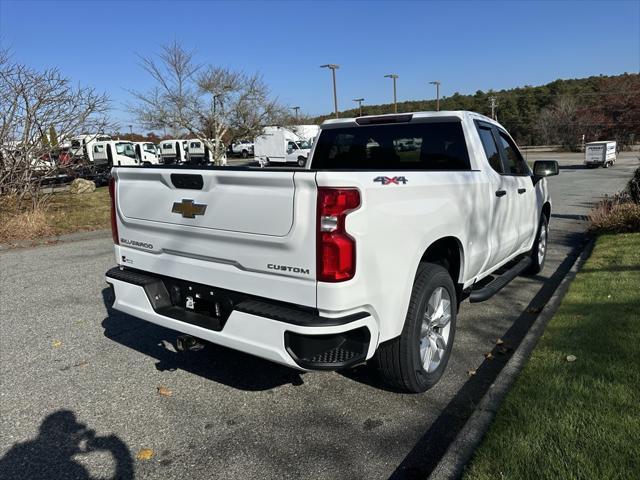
(81, 146)
(115, 153)
(602, 153)
(364, 254)
(146, 153)
(173, 151)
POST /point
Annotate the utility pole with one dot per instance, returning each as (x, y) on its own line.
(359, 100)
(393, 76)
(131, 131)
(295, 109)
(493, 107)
(333, 67)
(437, 84)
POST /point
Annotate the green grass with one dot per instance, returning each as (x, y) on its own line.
(577, 420)
(61, 213)
(72, 213)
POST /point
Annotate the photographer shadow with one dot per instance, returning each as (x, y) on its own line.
(220, 364)
(51, 454)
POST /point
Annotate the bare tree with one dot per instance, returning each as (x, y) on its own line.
(558, 123)
(207, 102)
(33, 103)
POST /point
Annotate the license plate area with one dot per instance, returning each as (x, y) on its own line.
(197, 304)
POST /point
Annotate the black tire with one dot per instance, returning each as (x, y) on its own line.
(245, 154)
(537, 263)
(398, 360)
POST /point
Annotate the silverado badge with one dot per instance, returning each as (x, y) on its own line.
(188, 209)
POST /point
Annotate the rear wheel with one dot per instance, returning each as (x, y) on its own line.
(415, 361)
(539, 250)
(245, 154)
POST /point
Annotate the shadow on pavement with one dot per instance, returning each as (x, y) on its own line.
(223, 365)
(52, 453)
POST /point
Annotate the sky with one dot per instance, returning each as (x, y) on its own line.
(468, 46)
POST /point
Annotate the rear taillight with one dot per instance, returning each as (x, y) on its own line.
(335, 249)
(114, 222)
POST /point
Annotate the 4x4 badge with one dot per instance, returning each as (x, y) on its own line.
(391, 180)
(188, 209)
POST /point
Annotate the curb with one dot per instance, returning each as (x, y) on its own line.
(451, 465)
(68, 237)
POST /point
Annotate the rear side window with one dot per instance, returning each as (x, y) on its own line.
(490, 148)
(413, 146)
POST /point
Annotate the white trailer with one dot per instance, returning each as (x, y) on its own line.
(602, 153)
(81, 146)
(114, 153)
(147, 153)
(280, 145)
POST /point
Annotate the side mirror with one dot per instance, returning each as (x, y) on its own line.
(546, 168)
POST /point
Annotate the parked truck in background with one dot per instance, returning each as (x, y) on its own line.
(147, 153)
(279, 145)
(602, 153)
(242, 148)
(81, 146)
(173, 151)
(114, 153)
(363, 254)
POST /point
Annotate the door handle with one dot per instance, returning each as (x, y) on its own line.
(522, 190)
(501, 193)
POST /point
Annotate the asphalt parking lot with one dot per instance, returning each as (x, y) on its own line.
(79, 383)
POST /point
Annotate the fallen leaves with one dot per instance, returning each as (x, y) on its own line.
(499, 341)
(56, 343)
(471, 373)
(145, 454)
(164, 391)
(571, 358)
(488, 356)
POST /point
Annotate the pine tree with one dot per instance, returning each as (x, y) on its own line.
(53, 137)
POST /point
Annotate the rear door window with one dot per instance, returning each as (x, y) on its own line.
(411, 146)
(515, 164)
(490, 148)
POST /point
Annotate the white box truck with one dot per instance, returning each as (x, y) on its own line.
(600, 154)
(280, 145)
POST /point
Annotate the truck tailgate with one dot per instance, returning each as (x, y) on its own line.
(243, 230)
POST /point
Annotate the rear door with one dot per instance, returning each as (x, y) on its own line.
(505, 217)
(517, 169)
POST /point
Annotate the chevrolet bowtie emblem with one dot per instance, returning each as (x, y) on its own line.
(188, 209)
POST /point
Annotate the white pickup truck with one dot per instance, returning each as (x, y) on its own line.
(364, 253)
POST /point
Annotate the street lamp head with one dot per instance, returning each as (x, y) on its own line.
(391, 75)
(332, 66)
(358, 99)
(435, 82)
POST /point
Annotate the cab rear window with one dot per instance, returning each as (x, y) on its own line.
(412, 146)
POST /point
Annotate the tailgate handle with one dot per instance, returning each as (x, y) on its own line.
(187, 181)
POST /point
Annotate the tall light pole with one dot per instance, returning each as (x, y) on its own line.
(359, 100)
(492, 100)
(333, 67)
(131, 131)
(395, 98)
(437, 84)
(296, 109)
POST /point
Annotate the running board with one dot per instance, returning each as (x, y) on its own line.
(499, 283)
